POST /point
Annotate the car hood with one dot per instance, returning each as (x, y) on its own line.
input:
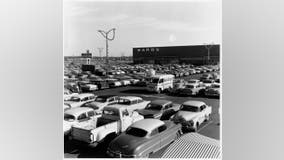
(67, 125)
(146, 112)
(99, 104)
(186, 115)
(126, 144)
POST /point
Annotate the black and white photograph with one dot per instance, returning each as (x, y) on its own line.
(142, 79)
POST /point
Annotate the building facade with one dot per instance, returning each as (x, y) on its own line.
(197, 55)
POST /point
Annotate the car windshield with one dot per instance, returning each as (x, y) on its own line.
(68, 117)
(154, 107)
(137, 132)
(215, 86)
(189, 86)
(101, 99)
(110, 112)
(189, 108)
(155, 80)
(124, 101)
(75, 99)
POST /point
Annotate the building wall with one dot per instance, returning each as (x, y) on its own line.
(176, 54)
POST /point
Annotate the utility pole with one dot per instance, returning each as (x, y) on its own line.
(208, 47)
(100, 51)
(105, 35)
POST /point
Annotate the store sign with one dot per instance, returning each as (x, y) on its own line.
(148, 50)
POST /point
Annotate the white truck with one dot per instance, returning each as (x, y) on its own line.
(114, 120)
(160, 82)
(192, 114)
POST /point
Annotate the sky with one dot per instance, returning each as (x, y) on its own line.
(139, 24)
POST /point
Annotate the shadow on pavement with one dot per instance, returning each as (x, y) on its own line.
(136, 91)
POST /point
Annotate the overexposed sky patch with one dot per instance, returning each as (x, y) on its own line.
(139, 24)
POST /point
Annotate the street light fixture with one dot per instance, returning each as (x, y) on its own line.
(208, 47)
(105, 35)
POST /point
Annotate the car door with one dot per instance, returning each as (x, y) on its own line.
(165, 136)
(126, 120)
(155, 142)
(83, 117)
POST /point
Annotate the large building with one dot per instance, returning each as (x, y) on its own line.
(197, 55)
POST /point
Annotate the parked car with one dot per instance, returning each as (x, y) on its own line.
(192, 90)
(78, 115)
(68, 94)
(80, 99)
(214, 90)
(160, 109)
(102, 84)
(89, 87)
(192, 114)
(205, 77)
(193, 81)
(208, 83)
(102, 101)
(114, 120)
(143, 138)
(132, 103)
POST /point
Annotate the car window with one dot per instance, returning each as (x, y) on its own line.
(154, 132)
(85, 99)
(92, 97)
(110, 99)
(162, 128)
(82, 116)
(91, 113)
(139, 100)
(125, 113)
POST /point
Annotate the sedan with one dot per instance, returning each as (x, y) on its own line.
(143, 138)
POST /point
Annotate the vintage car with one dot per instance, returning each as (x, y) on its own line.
(101, 101)
(143, 138)
(214, 90)
(114, 120)
(208, 82)
(160, 109)
(194, 81)
(192, 114)
(132, 103)
(78, 100)
(192, 90)
(68, 94)
(78, 115)
(89, 87)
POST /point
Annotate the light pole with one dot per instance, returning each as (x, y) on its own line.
(208, 47)
(100, 51)
(105, 35)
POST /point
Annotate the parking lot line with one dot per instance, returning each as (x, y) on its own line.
(204, 126)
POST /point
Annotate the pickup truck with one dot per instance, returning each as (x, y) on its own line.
(192, 114)
(114, 120)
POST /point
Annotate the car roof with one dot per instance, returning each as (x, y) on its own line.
(130, 97)
(148, 124)
(78, 110)
(194, 103)
(82, 95)
(160, 102)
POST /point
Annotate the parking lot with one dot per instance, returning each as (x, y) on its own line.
(210, 128)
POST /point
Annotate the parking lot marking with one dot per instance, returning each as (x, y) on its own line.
(204, 126)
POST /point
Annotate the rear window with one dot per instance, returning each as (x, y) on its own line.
(189, 108)
(137, 132)
(68, 117)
